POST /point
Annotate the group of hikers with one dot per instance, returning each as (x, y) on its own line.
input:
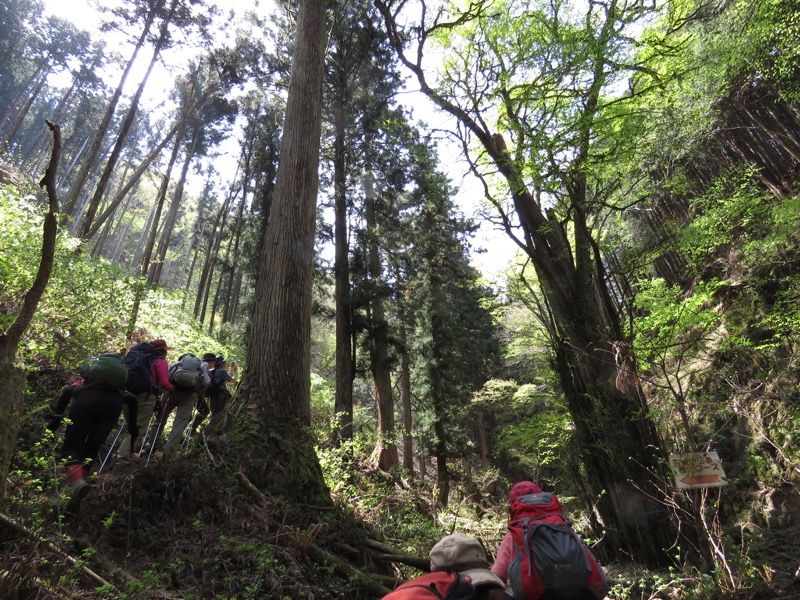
(147, 389)
(540, 558)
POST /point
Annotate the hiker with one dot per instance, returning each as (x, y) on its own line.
(541, 557)
(187, 377)
(209, 361)
(97, 401)
(459, 571)
(147, 377)
(218, 393)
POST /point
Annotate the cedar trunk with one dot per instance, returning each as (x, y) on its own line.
(385, 454)
(345, 370)
(274, 406)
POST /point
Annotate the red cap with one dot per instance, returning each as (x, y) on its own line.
(523, 488)
(160, 344)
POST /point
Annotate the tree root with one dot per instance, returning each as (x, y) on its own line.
(388, 554)
(378, 585)
(368, 582)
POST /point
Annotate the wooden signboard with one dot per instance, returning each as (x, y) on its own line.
(697, 470)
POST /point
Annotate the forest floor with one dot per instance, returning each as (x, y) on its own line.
(195, 528)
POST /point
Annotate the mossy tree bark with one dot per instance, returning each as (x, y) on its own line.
(271, 434)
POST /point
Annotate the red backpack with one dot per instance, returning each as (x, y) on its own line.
(549, 559)
(439, 585)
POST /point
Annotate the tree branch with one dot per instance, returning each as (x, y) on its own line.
(49, 230)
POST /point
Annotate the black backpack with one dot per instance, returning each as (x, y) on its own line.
(214, 385)
(139, 361)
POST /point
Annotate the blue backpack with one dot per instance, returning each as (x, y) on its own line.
(139, 361)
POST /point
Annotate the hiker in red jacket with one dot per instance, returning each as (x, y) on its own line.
(541, 557)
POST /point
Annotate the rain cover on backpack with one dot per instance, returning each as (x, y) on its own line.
(105, 369)
(439, 585)
(187, 372)
(548, 555)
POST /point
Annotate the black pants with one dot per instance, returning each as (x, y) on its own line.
(94, 414)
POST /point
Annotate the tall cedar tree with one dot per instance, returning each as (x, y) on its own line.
(274, 445)
(454, 346)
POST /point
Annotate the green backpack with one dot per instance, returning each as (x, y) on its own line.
(106, 369)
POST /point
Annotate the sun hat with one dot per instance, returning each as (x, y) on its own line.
(209, 356)
(161, 345)
(464, 555)
(219, 359)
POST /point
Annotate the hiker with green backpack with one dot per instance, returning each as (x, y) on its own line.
(186, 375)
(207, 366)
(97, 402)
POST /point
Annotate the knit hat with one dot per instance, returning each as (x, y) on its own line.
(523, 488)
(465, 555)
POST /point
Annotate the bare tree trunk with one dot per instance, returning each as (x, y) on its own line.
(172, 215)
(24, 113)
(83, 174)
(211, 263)
(84, 231)
(237, 294)
(213, 241)
(12, 386)
(195, 251)
(18, 98)
(99, 246)
(483, 439)
(151, 239)
(72, 163)
(137, 174)
(405, 386)
(40, 142)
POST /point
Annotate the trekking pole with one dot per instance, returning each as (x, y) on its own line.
(111, 447)
(130, 509)
(166, 409)
(155, 440)
(58, 493)
(187, 433)
(146, 435)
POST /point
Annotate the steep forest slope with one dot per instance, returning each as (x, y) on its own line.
(645, 157)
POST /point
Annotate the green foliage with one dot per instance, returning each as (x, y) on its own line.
(87, 303)
(730, 208)
(539, 437)
(672, 321)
